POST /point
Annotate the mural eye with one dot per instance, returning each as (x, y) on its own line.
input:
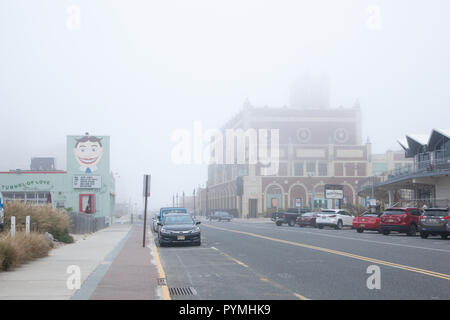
(94, 149)
(83, 150)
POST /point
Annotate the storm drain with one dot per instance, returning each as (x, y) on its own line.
(186, 291)
(162, 282)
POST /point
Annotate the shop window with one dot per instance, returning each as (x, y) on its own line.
(87, 203)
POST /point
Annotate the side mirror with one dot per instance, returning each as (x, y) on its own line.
(198, 222)
(159, 223)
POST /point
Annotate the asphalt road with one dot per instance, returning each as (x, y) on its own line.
(258, 261)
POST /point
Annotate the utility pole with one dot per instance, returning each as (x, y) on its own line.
(183, 199)
(207, 203)
(173, 200)
(177, 199)
(194, 202)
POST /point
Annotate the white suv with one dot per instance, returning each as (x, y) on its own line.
(336, 218)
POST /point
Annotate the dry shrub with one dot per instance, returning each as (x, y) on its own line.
(43, 218)
(22, 248)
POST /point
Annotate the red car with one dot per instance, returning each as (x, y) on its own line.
(307, 219)
(367, 221)
(403, 220)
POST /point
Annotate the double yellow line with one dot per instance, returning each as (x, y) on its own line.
(342, 253)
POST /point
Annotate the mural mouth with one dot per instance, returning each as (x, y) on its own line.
(88, 160)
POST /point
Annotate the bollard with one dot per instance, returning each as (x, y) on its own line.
(27, 224)
(13, 226)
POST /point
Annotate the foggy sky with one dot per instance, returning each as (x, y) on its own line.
(138, 70)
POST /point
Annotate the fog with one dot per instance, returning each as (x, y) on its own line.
(138, 70)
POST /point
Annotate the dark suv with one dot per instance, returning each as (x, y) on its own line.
(403, 220)
(435, 221)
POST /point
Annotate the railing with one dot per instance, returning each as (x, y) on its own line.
(440, 163)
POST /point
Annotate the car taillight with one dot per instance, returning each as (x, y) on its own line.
(422, 217)
(283, 215)
(447, 218)
(333, 216)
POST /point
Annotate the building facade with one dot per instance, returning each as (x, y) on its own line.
(317, 146)
(425, 182)
(86, 186)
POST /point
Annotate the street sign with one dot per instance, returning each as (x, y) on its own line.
(334, 191)
(298, 202)
(146, 187)
(146, 193)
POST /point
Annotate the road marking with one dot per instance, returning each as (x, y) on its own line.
(342, 253)
(261, 277)
(162, 274)
(357, 239)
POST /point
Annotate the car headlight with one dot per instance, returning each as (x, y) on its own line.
(195, 230)
(165, 231)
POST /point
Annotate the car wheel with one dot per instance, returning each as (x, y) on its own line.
(278, 223)
(339, 225)
(386, 232)
(444, 236)
(412, 230)
(320, 226)
(291, 223)
(301, 225)
(359, 230)
(424, 235)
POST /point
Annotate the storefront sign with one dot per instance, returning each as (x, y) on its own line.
(25, 185)
(87, 182)
(334, 191)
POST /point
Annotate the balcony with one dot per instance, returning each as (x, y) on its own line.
(427, 164)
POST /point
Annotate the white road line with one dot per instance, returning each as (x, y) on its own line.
(348, 238)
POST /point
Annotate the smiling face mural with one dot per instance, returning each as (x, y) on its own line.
(88, 152)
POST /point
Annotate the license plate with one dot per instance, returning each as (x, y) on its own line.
(180, 237)
(433, 221)
(362, 225)
(390, 220)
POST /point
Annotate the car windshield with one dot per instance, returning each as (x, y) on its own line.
(165, 211)
(221, 214)
(440, 213)
(308, 214)
(179, 219)
(394, 212)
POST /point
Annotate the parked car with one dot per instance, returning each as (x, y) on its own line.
(289, 216)
(367, 221)
(403, 220)
(179, 228)
(435, 221)
(337, 218)
(220, 215)
(307, 219)
(155, 220)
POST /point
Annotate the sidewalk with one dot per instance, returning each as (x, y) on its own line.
(132, 275)
(46, 278)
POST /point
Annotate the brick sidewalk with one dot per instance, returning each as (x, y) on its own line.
(132, 275)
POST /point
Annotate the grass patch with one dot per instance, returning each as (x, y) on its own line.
(43, 218)
(22, 249)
